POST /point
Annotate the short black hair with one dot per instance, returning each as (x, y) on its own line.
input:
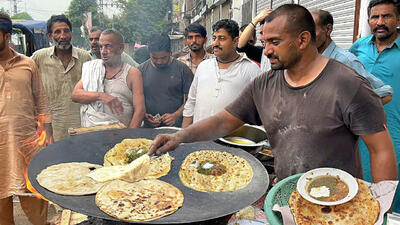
(298, 19)
(373, 3)
(57, 18)
(196, 28)
(160, 43)
(324, 17)
(244, 27)
(5, 23)
(118, 36)
(229, 25)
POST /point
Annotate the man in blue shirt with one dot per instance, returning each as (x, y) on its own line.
(327, 47)
(380, 54)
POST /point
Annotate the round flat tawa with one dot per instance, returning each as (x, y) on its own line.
(197, 206)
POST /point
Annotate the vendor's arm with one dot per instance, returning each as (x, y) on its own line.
(382, 156)
(135, 82)
(248, 31)
(82, 96)
(211, 128)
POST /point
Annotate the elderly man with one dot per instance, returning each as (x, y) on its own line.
(110, 91)
(221, 79)
(314, 108)
(94, 37)
(166, 83)
(380, 54)
(61, 67)
(23, 103)
(327, 47)
(195, 38)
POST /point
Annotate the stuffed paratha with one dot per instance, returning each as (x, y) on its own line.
(214, 171)
(141, 201)
(69, 178)
(130, 149)
(363, 209)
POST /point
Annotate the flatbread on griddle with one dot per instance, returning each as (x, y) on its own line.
(159, 166)
(134, 171)
(69, 178)
(363, 209)
(141, 201)
(238, 172)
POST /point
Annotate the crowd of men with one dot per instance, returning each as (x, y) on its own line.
(314, 98)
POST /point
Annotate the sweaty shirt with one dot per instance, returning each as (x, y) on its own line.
(164, 89)
(316, 125)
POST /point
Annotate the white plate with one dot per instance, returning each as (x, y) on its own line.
(303, 181)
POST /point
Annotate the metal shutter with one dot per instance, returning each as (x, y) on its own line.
(261, 4)
(277, 3)
(343, 18)
(226, 10)
(246, 12)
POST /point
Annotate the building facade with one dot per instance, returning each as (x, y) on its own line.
(206, 12)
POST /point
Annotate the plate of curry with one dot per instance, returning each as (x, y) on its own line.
(327, 186)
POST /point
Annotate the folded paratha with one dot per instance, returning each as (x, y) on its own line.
(141, 201)
(129, 149)
(69, 178)
(363, 209)
(134, 171)
(214, 171)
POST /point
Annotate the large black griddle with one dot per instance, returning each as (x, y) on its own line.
(197, 206)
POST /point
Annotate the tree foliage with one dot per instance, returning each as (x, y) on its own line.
(4, 11)
(22, 16)
(138, 21)
(75, 13)
(141, 19)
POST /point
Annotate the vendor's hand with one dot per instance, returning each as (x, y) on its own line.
(153, 121)
(169, 119)
(261, 16)
(163, 143)
(113, 102)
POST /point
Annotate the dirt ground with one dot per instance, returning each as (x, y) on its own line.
(20, 218)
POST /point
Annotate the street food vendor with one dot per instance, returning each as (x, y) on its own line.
(314, 108)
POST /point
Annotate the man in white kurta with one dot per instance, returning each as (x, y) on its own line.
(218, 81)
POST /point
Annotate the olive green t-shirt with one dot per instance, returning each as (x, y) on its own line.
(59, 82)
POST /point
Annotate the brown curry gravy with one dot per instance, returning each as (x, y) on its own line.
(338, 189)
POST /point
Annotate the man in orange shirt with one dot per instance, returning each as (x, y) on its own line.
(23, 103)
